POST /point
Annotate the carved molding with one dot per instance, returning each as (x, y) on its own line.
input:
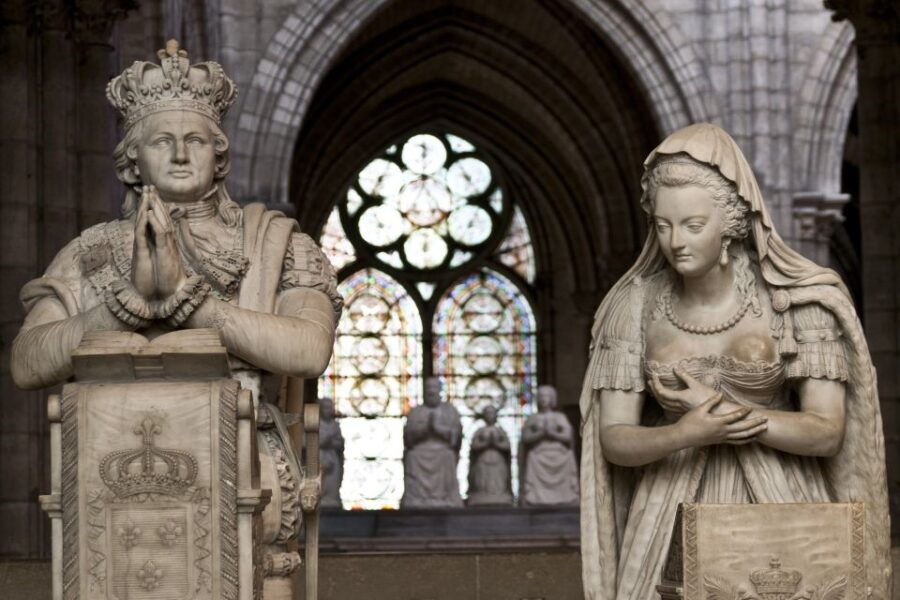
(69, 492)
(96, 521)
(689, 551)
(289, 484)
(858, 552)
(281, 564)
(228, 490)
(818, 213)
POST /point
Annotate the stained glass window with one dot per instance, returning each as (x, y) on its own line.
(431, 217)
(426, 204)
(515, 251)
(335, 244)
(374, 377)
(484, 354)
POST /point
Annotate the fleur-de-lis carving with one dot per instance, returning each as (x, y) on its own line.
(150, 575)
(129, 534)
(169, 532)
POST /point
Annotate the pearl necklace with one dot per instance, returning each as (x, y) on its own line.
(696, 329)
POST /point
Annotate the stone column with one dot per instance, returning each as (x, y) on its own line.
(22, 528)
(816, 214)
(877, 25)
(56, 177)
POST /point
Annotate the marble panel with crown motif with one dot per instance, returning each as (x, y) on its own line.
(155, 503)
(767, 552)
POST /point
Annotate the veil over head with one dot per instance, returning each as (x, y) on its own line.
(857, 472)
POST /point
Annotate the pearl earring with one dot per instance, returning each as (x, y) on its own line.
(723, 256)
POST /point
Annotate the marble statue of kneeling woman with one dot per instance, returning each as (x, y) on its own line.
(549, 474)
(489, 464)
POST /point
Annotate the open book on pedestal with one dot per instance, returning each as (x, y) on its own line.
(128, 356)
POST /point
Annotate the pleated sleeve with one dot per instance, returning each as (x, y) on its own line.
(820, 346)
(618, 348)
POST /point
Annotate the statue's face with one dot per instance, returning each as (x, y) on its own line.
(489, 415)
(688, 229)
(432, 392)
(176, 153)
(546, 399)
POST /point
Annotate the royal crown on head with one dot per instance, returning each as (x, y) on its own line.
(146, 88)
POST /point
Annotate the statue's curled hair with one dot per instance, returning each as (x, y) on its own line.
(680, 170)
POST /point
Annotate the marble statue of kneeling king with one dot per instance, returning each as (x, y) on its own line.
(431, 437)
(185, 256)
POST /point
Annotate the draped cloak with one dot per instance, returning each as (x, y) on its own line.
(855, 474)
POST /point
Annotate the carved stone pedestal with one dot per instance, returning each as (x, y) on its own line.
(767, 552)
(155, 474)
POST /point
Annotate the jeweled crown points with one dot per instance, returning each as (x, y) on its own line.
(145, 88)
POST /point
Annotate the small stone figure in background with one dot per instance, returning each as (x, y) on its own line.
(549, 475)
(331, 452)
(489, 464)
(431, 437)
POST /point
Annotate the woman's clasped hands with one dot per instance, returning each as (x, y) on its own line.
(701, 423)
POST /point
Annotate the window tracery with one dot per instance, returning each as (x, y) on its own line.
(440, 264)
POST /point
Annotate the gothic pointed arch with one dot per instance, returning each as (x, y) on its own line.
(312, 39)
(436, 265)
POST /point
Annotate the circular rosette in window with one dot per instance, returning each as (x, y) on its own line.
(425, 249)
(381, 225)
(425, 201)
(370, 479)
(429, 204)
(368, 313)
(381, 178)
(424, 154)
(482, 392)
(468, 177)
(370, 355)
(469, 225)
(483, 354)
(482, 312)
(370, 397)
(369, 436)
